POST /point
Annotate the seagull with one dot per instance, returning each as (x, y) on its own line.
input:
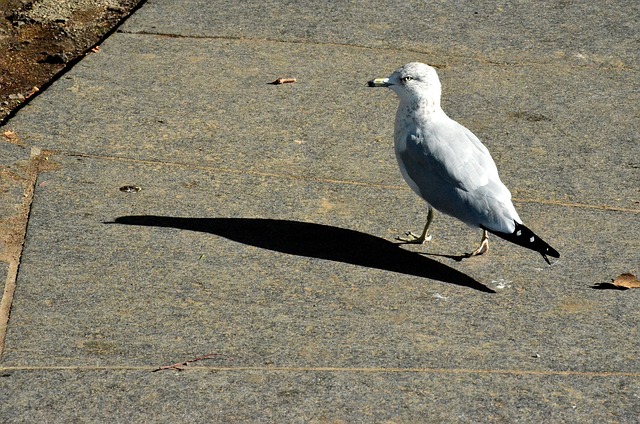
(446, 164)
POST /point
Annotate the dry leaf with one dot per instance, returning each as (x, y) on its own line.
(11, 137)
(283, 81)
(626, 281)
(33, 91)
(96, 49)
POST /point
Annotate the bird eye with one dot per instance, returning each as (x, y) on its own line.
(407, 79)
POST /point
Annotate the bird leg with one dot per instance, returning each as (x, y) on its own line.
(412, 238)
(483, 248)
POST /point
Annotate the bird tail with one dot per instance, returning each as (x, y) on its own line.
(524, 237)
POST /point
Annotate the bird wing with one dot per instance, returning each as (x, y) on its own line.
(451, 151)
(455, 173)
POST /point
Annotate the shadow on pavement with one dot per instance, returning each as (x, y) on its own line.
(316, 241)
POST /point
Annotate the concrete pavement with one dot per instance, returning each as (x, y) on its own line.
(263, 230)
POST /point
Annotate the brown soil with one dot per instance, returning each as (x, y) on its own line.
(40, 38)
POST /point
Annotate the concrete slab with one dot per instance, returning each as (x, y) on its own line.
(4, 268)
(14, 161)
(561, 134)
(263, 228)
(314, 396)
(582, 33)
(301, 273)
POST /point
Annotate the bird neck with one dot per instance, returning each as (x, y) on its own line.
(427, 105)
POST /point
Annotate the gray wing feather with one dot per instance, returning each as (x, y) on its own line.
(456, 174)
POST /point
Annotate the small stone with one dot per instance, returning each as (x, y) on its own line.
(56, 59)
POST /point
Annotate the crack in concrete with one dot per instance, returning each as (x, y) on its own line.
(380, 370)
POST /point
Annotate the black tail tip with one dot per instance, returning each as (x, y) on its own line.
(552, 252)
(524, 237)
(544, 249)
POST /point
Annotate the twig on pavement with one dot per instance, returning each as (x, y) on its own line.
(179, 366)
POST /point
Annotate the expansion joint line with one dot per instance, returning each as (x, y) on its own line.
(343, 370)
(250, 172)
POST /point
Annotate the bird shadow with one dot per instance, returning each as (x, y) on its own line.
(315, 241)
(457, 258)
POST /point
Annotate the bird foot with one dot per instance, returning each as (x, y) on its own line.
(483, 248)
(413, 239)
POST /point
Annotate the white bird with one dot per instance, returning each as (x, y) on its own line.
(446, 164)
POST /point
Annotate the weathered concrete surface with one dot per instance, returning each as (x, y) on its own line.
(300, 396)
(263, 270)
(219, 111)
(580, 33)
(14, 161)
(264, 228)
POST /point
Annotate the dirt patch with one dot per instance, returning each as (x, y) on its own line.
(39, 38)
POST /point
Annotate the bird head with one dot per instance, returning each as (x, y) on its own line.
(414, 82)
